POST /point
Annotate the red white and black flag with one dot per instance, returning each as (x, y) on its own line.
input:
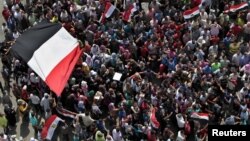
(129, 12)
(108, 11)
(237, 7)
(50, 51)
(49, 127)
(190, 13)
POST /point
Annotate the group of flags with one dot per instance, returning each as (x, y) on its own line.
(50, 126)
(156, 124)
(234, 8)
(52, 122)
(52, 52)
(190, 13)
(126, 15)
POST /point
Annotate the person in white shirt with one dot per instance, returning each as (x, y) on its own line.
(4, 27)
(203, 16)
(243, 92)
(45, 102)
(215, 29)
(213, 50)
(3, 137)
(16, 34)
(109, 138)
(117, 135)
(181, 136)
(236, 58)
(246, 28)
(248, 16)
(191, 44)
(35, 101)
(180, 121)
(86, 118)
(64, 15)
(244, 116)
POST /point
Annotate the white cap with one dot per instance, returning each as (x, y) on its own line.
(83, 83)
(17, 61)
(92, 72)
(25, 87)
(84, 64)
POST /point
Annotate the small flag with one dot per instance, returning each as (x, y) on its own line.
(129, 12)
(234, 8)
(65, 112)
(50, 127)
(190, 13)
(50, 51)
(204, 116)
(154, 122)
(109, 9)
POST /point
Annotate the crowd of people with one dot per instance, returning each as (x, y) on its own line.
(170, 67)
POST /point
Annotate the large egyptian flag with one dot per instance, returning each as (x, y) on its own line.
(50, 51)
(237, 7)
(49, 127)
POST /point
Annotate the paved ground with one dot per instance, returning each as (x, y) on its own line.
(22, 129)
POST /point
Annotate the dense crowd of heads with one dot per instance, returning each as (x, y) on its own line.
(171, 67)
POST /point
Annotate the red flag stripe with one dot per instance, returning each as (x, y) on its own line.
(204, 116)
(109, 9)
(49, 127)
(128, 13)
(66, 113)
(191, 12)
(153, 119)
(59, 76)
(234, 8)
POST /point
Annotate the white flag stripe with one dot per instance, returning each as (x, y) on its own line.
(135, 8)
(52, 128)
(110, 10)
(194, 13)
(242, 6)
(45, 58)
(196, 115)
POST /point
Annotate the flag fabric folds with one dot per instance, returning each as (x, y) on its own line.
(50, 51)
(50, 127)
(190, 13)
(108, 11)
(65, 112)
(203, 116)
(153, 120)
(234, 8)
(129, 12)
